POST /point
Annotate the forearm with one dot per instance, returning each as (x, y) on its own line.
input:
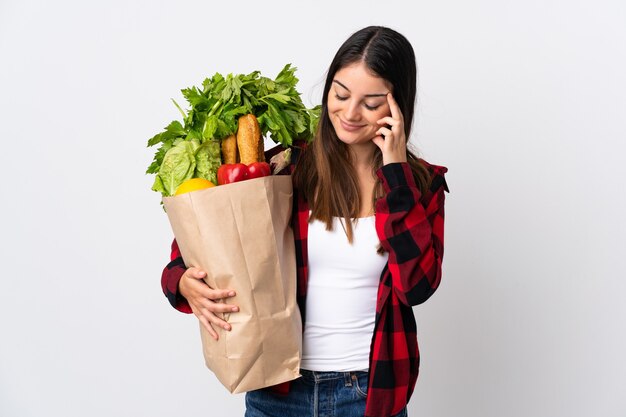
(410, 228)
(170, 279)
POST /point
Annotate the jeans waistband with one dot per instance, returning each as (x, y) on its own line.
(317, 376)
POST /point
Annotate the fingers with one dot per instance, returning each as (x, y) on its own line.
(207, 303)
(385, 132)
(201, 295)
(215, 320)
(396, 120)
(193, 287)
(211, 309)
(208, 327)
(393, 106)
(388, 121)
(391, 128)
(214, 307)
(212, 294)
(208, 319)
(195, 273)
(391, 137)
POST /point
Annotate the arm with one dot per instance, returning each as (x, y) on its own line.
(187, 292)
(410, 227)
(170, 278)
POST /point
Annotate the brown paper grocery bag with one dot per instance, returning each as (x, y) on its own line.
(240, 235)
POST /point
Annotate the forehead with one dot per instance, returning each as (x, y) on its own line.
(361, 80)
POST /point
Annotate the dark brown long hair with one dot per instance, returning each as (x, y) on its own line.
(324, 172)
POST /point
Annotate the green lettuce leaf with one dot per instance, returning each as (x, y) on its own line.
(208, 160)
(178, 165)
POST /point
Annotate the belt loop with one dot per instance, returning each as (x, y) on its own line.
(347, 377)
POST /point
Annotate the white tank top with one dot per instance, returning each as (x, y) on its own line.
(341, 296)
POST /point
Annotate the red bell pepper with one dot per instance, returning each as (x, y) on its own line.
(228, 173)
(258, 169)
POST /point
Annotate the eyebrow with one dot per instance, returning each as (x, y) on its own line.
(366, 95)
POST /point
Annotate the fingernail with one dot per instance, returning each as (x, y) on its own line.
(235, 309)
(231, 294)
(227, 327)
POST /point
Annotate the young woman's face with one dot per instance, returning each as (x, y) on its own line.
(357, 99)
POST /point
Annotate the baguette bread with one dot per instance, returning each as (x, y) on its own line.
(230, 154)
(249, 140)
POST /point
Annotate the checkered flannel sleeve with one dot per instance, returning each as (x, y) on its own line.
(170, 278)
(410, 228)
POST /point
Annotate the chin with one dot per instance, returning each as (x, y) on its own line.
(354, 141)
(346, 137)
(350, 138)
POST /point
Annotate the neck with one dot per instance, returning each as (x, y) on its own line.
(362, 160)
(362, 155)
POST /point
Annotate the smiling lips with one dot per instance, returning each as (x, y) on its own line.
(350, 127)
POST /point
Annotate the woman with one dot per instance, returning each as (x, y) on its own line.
(362, 204)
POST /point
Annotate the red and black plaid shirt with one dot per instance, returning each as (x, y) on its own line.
(410, 227)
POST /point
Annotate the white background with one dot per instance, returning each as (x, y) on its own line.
(523, 101)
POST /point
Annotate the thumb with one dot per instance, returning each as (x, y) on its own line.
(197, 273)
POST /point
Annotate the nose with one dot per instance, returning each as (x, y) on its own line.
(352, 112)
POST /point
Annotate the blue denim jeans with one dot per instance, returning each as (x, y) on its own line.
(316, 394)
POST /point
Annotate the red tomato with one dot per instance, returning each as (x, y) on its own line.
(258, 169)
(228, 173)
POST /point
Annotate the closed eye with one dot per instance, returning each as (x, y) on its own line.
(368, 107)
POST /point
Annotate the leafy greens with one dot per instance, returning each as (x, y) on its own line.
(192, 149)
